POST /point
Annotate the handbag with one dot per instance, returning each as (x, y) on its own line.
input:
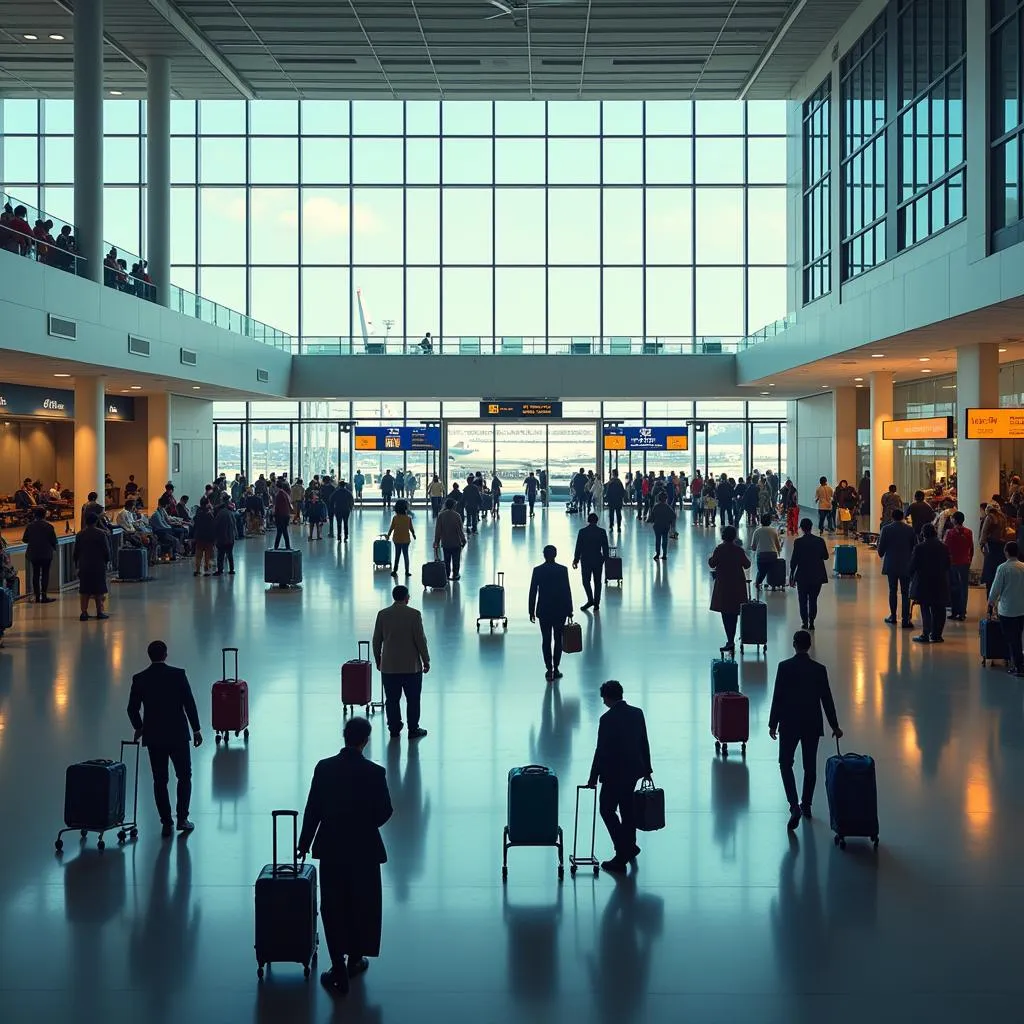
(649, 807)
(845, 515)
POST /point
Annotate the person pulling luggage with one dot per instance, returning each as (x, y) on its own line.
(400, 651)
(550, 601)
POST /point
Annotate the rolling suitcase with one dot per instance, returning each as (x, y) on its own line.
(583, 860)
(572, 637)
(613, 567)
(730, 721)
(754, 625)
(852, 796)
(286, 925)
(776, 578)
(993, 643)
(532, 812)
(519, 514)
(486, 502)
(725, 676)
(435, 576)
(844, 560)
(492, 603)
(357, 681)
(131, 564)
(230, 701)
(382, 553)
(95, 798)
(649, 807)
(282, 567)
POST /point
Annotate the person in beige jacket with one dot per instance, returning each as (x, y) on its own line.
(400, 651)
(450, 539)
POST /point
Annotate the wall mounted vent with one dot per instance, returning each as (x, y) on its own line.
(138, 346)
(188, 357)
(263, 376)
(59, 327)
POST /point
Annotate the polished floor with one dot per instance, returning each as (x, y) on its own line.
(726, 917)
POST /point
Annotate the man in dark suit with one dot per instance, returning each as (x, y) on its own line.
(801, 691)
(896, 543)
(347, 805)
(591, 552)
(551, 602)
(163, 711)
(807, 571)
(622, 758)
(614, 496)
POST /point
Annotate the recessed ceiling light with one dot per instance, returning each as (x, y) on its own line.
(771, 385)
(765, 392)
(196, 387)
(858, 378)
(877, 355)
(62, 375)
(116, 92)
(858, 385)
(926, 371)
(949, 387)
(824, 385)
(31, 37)
(56, 37)
(924, 359)
(124, 391)
(136, 387)
(1002, 350)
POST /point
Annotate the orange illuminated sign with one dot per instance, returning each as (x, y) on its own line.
(933, 428)
(994, 424)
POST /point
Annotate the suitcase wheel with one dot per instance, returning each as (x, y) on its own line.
(259, 972)
(725, 750)
(245, 735)
(59, 845)
(121, 837)
(84, 833)
(504, 874)
(743, 749)
(100, 845)
(718, 747)
(305, 971)
(561, 872)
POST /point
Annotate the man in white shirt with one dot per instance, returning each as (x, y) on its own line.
(129, 526)
(1006, 596)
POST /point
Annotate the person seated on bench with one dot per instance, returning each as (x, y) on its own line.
(25, 497)
(169, 536)
(131, 529)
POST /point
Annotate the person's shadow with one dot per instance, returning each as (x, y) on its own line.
(533, 966)
(592, 648)
(730, 797)
(165, 940)
(630, 924)
(230, 781)
(551, 744)
(407, 829)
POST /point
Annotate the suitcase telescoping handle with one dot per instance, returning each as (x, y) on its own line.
(293, 867)
(224, 652)
(359, 650)
(499, 579)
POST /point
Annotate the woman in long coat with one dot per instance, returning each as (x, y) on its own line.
(91, 554)
(730, 564)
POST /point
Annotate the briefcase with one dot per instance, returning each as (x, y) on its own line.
(649, 807)
(572, 637)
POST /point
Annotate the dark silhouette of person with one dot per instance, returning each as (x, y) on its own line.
(550, 601)
(622, 758)
(801, 691)
(929, 584)
(896, 543)
(348, 803)
(163, 713)
(807, 571)
(591, 553)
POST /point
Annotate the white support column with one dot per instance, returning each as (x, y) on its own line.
(977, 462)
(158, 171)
(158, 446)
(881, 450)
(90, 437)
(88, 58)
(844, 452)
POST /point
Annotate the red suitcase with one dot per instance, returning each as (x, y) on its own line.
(730, 720)
(230, 698)
(572, 638)
(357, 681)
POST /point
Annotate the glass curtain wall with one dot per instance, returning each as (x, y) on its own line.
(1007, 122)
(468, 220)
(817, 198)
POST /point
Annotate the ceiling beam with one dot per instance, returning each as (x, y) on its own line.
(787, 24)
(198, 41)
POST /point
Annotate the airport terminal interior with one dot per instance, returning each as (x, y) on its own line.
(357, 244)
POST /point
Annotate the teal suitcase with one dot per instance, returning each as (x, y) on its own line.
(725, 676)
(844, 560)
(532, 812)
(382, 553)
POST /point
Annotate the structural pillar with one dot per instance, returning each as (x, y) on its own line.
(88, 63)
(977, 462)
(844, 453)
(158, 175)
(90, 437)
(881, 450)
(158, 446)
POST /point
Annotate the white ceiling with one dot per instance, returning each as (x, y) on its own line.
(429, 49)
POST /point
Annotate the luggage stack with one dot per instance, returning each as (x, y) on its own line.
(286, 908)
(845, 561)
(95, 795)
(730, 721)
(381, 553)
(492, 603)
(357, 682)
(532, 813)
(230, 701)
(852, 797)
(519, 510)
(613, 567)
(725, 676)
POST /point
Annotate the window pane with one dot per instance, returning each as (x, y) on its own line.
(59, 117)
(519, 161)
(766, 117)
(423, 301)
(377, 225)
(622, 117)
(222, 117)
(422, 117)
(574, 302)
(668, 117)
(381, 290)
(669, 302)
(121, 219)
(422, 161)
(376, 117)
(183, 117)
(325, 302)
(766, 161)
(719, 301)
(377, 161)
(574, 161)
(520, 236)
(273, 225)
(183, 161)
(273, 161)
(669, 161)
(120, 117)
(21, 161)
(623, 225)
(519, 298)
(670, 225)
(324, 117)
(325, 225)
(121, 160)
(766, 296)
(574, 117)
(623, 298)
(224, 285)
(467, 225)
(519, 117)
(719, 117)
(466, 117)
(183, 225)
(574, 226)
(423, 225)
(222, 161)
(274, 298)
(274, 117)
(719, 225)
(720, 161)
(20, 117)
(467, 303)
(58, 158)
(467, 161)
(623, 162)
(222, 218)
(766, 235)
(325, 161)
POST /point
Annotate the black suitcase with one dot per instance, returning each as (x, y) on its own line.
(95, 798)
(993, 642)
(131, 563)
(754, 624)
(519, 515)
(435, 576)
(286, 908)
(281, 567)
(613, 567)
(776, 578)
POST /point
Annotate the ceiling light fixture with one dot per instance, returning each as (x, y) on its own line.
(858, 378)
(926, 371)
(196, 387)
(924, 359)
(136, 387)
(31, 37)
(949, 387)
(765, 392)
(877, 355)
(116, 92)
(56, 37)
(858, 385)
(1002, 350)
(824, 385)
(62, 375)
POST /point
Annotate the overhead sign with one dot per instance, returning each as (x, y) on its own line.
(930, 428)
(646, 439)
(994, 424)
(530, 409)
(55, 404)
(397, 439)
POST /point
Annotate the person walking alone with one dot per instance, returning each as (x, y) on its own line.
(767, 546)
(402, 531)
(282, 517)
(615, 496)
(550, 601)
(1006, 598)
(591, 553)
(929, 584)
(807, 571)
(823, 499)
(622, 758)
(400, 651)
(960, 542)
(436, 492)
(163, 713)
(41, 540)
(662, 518)
(730, 563)
(801, 691)
(225, 532)
(896, 543)
(342, 503)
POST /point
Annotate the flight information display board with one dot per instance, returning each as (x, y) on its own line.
(995, 424)
(397, 439)
(516, 409)
(929, 428)
(646, 439)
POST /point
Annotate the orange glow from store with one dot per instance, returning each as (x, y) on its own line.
(978, 800)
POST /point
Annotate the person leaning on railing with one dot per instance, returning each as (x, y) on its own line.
(16, 234)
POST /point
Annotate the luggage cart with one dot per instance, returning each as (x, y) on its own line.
(575, 859)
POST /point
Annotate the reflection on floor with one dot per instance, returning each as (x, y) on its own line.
(726, 917)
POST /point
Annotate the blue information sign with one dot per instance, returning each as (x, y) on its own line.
(646, 439)
(397, 439)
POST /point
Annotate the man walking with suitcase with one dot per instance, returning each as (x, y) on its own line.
(400, 651)
(450, 539)
(550, 601)
(622, 758)
(592, 553)
(801, 691)
(162, 711)
(347, 805)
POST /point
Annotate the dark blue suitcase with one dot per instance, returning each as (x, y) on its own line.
(435, 576)
(754, 624)
(844, 560)
(852, 796)
(492, 602)
(282, 567)
(131, 563)
(776, 578)
(532, 813)
(382, 553)
(518, 514)
(725, 676)
(992, 640)
(286, 925)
